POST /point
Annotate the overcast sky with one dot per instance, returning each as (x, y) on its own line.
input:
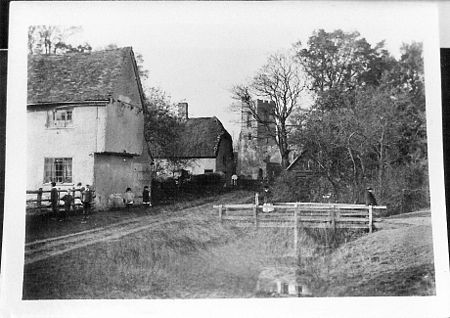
(197, 51)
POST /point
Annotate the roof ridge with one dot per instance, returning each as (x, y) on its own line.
(50, 56)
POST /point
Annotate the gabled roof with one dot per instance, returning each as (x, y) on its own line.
(201, 136)
(77, 77)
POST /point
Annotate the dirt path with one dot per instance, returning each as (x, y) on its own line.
(405, 220)
(41, 249)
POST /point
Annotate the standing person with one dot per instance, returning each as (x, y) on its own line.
(370, 197)
(86, 198)
(234, 179)
(266, 194)
(146, 197)
(128, 198)
(67, 203)
(77, 196)
(54, 199)
(267, 206)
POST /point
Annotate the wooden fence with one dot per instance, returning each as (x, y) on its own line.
(301, 214)
(40, 200)
(297, 215)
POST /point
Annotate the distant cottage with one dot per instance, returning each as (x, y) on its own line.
(86, 123)
(208, 147)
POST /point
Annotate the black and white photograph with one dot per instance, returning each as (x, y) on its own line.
(255, 158)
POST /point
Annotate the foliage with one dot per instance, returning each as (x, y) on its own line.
(187, 187)
(280, 82)
(367, 126)
(290, 188)
(163, 131)
(341, 61)
(51, 39)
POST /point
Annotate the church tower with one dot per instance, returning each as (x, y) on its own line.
(257, 149)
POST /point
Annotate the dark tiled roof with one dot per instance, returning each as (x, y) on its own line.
(75, 77)
(201, 136)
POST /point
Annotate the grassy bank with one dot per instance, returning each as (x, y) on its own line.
(195, 256)
(191, 256)
(390, 262)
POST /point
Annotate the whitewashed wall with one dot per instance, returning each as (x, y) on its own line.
(79, 142)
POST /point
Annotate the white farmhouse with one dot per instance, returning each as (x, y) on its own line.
(85, 123)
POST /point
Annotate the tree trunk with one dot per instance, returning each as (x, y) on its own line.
(285, 160)
(283, 146)
(381, 161)
(355, 185)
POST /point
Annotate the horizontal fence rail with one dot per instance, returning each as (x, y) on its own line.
(301, 214)
(38, 201)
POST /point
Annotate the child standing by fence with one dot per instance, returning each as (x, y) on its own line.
(146, 197)
(67, 203)
(128, 198)
(54, 199)
(87, 198)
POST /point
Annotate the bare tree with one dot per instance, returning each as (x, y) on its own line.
(43, 39)
(281, 82)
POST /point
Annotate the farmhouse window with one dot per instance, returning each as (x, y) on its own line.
(59, 118)
(249, 136)
(58, 170)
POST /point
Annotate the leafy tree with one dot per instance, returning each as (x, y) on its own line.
(164, 130)
(63, 48)
(340, 61)
(368, 129)
(280, 82)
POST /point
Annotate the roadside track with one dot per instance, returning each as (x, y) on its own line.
(42, 249)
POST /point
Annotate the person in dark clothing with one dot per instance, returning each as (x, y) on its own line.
(87, 197)
(54, 199)
(146, 197)
(370, 197)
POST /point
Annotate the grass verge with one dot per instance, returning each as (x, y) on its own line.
(43, 226)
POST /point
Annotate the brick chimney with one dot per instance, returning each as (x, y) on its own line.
(183, 110)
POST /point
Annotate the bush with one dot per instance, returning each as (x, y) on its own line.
(196, 186)
(293, 187)
(404, 188)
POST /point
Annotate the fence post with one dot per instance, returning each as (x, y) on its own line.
(220, 212)
(72, 203)
(333, 218)
(39, 199)
(255, 214)
(257, 199)
(370, 218)
(296, 231)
